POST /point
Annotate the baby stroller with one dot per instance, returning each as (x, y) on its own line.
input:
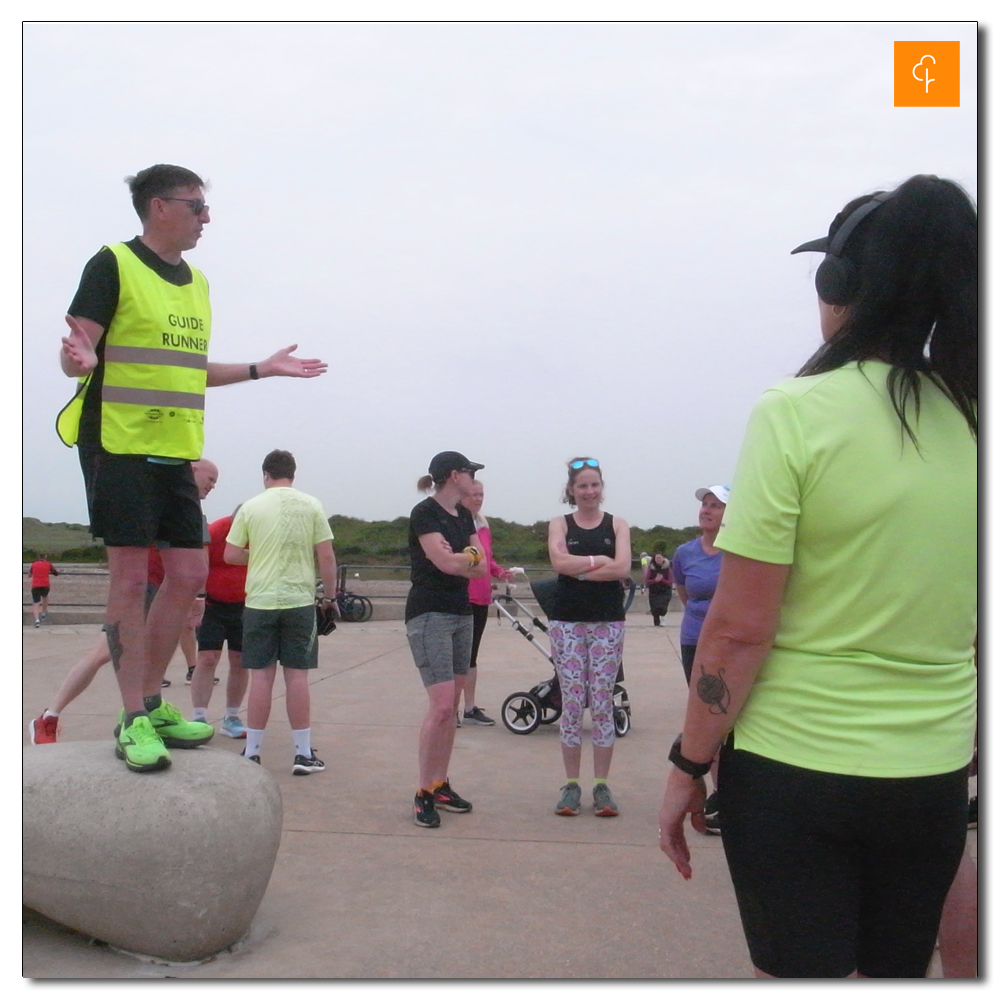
(524, 711)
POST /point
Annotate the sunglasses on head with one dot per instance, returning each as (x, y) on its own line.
(582, 462)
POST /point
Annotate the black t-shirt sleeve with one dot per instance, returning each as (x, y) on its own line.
(97, 297)
(423, 521)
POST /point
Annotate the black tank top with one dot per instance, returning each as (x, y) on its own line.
(583, 600)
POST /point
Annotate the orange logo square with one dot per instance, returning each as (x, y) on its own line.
(925, 75)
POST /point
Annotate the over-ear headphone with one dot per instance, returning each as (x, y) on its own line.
(836, 276)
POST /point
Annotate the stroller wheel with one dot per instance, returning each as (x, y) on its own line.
(367, 609)
(623, 721)
(521, 713)
(550, 715)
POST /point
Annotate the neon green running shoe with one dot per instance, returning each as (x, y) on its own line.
(141, 748)
(176, 731)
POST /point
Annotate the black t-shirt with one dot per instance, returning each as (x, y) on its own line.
(97, 299)
(431, 589)
(589, 600)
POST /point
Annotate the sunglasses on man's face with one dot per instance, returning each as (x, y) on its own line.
(583, 462)
(196, 205)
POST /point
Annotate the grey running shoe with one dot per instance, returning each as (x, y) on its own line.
(604, 805)
(569, 801)
(478, 717)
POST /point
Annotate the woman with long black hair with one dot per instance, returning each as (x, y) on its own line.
(835, 665)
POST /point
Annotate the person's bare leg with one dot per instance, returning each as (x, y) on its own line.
(203, 678)
(45, 604)
(470, 689)
(185, 571)
(437, 734)
(297, 697)
(958, 932)
(571, 760)
(237, 681)
(602, 761)
(36, 610)
(189, 647)
(81, 674)
(261, 689)
(126, 622)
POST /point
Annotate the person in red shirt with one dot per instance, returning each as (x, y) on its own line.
(222, 624)
(40, 570)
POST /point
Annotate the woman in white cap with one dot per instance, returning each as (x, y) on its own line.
(444, 556)
(840, 687)
(696, 568)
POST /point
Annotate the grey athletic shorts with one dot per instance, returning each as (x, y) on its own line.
(441, 645)
(286, 636)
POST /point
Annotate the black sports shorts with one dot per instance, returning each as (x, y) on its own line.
(835, 873)
(135, 502)
(222, 624)
(37, 593)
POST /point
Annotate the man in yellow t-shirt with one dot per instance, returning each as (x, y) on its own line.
(281, 535)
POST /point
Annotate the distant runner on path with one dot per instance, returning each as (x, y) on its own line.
(40, 571)
(140, 325)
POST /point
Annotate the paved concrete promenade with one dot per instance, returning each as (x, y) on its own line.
(508, 891)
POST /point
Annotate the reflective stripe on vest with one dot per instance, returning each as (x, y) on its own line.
(155, 366)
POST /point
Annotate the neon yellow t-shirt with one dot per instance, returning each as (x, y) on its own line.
(872, 667)
(282, 526)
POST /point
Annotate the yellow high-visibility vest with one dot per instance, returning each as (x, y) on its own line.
(155, 366)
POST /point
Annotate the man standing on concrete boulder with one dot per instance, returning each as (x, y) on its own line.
(140, 325)
(288, 536)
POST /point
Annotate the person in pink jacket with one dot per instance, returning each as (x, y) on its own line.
(480, 597)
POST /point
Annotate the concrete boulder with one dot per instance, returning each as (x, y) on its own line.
(171, 864)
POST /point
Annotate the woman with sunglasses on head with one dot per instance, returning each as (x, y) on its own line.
(592, 553)
(444, 556)
(841, 687)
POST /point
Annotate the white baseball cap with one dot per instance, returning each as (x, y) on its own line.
(722, 492)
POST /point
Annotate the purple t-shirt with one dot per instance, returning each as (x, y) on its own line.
(698, 572)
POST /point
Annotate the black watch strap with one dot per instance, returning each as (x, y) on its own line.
(688, 766)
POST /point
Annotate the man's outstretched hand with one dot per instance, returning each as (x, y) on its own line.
(77, 355)
(284, 363)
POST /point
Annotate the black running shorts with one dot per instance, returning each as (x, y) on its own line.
(222, 624)
(134, 502)
(836, 873)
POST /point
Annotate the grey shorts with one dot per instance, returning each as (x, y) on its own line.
(286, 635)
(441, 645)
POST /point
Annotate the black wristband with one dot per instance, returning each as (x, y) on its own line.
(688, 766)
(254, 373)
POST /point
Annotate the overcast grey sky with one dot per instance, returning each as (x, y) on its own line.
(523, 241)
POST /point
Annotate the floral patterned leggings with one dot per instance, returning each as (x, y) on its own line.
(587, 657)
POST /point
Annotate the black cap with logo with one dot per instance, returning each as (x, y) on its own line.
(446, 462)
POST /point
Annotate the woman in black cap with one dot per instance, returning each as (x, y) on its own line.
(444, 556)
(841, 687)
